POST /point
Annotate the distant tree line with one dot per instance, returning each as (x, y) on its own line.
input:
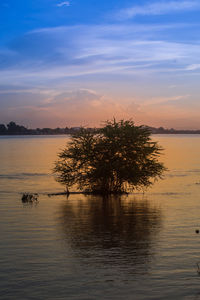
(14, 129)
(162, 130)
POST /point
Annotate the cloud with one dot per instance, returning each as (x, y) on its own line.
(193, 67)
(77, 74)
(71, 108)
(158, 8)
(59, 52)
(55, 72)
(87, 107)
(65, 3)
(165, 100)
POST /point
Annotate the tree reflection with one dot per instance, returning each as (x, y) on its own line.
(112, 230)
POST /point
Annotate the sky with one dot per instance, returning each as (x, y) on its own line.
(72, 63)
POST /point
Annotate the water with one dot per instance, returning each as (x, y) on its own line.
(143, 246)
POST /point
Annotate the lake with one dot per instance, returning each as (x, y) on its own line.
(141, 246)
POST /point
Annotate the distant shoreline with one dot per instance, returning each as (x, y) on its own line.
(63, 134)
(13, 129)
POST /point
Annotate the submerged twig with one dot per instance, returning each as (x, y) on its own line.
(198, 269)
(86, 193)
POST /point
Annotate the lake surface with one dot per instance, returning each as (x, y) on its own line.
(143, 246)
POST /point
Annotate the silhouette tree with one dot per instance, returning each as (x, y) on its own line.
(13, 128)
(114, 159)
(3, 129)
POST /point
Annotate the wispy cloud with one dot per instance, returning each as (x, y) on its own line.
(64, 3)
(158, 8)
(84, 50)
(77, 107)
(89, 107)
(165, 100)
(193, 67)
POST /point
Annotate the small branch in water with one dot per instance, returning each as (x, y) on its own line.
(86, 193)
(33, 197)
(198, 268)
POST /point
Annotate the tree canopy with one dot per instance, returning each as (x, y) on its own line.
(113, 159)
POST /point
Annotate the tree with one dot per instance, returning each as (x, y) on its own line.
(3, 129)
(13, 128)
(114, 159)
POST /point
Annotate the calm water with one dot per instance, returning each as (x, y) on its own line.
(143, 246)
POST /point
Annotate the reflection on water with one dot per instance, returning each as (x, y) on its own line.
(92, 248)
(116, 230)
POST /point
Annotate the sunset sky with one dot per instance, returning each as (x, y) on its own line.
(71, 63)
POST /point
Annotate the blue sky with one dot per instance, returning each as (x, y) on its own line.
(70, 63)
